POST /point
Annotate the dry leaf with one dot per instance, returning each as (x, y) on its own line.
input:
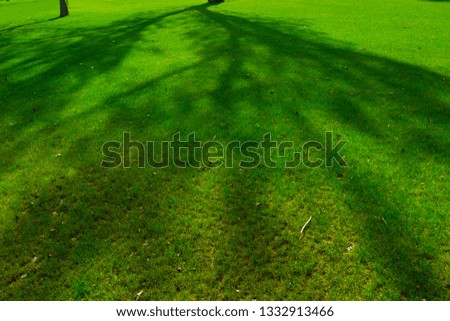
(138, 296)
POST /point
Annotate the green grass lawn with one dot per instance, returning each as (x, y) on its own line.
(375, 73)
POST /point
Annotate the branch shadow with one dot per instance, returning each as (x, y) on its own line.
(238, 62)
(28, 24)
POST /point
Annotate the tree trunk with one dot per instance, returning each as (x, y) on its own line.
(63, 8)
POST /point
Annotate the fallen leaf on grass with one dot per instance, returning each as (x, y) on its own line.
(138, 295)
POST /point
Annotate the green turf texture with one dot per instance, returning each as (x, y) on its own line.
(375, 73)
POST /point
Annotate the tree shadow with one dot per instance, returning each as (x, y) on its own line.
(28, 24)
(237, 61)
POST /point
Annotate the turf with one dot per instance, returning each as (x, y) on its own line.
(376, 74)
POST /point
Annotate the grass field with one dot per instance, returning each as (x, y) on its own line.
(375, 73)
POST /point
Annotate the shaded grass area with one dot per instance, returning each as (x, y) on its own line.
(71, 230)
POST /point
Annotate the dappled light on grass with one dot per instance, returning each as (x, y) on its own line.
(188, 234)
